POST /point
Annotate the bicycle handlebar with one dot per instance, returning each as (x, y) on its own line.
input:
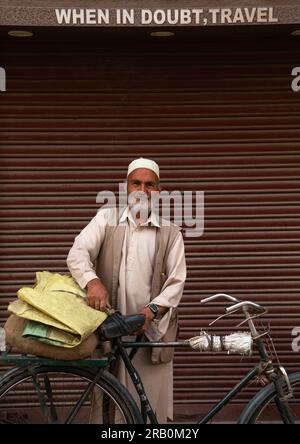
(246, 304)
(218, 296)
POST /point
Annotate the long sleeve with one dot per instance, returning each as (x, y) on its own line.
(172, 289)
(85, 250)
(176, 274)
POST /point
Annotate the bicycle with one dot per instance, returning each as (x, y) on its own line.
(61, 391)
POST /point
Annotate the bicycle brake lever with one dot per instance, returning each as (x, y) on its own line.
(219, 317)
(252, 317)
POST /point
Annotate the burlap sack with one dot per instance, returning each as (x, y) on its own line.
(14, 327)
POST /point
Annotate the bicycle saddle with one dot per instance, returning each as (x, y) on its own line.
(118, 325)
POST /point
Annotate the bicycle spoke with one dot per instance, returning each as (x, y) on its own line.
(69, 395)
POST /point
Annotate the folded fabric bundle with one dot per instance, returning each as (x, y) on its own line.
(57, 310)
(49, 335)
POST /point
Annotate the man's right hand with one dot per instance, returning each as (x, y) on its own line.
(97, 295)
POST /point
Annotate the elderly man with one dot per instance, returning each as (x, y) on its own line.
(134, 262)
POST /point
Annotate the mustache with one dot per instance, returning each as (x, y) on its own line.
(138, 198)
(142, 196)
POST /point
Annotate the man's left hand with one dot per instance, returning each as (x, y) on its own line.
(149, 318)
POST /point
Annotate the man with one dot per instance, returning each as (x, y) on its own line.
(132, 261)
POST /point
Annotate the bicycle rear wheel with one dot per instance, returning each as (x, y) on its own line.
(52, 396)
(262, 408)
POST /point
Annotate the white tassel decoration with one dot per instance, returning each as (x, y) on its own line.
(240, 342)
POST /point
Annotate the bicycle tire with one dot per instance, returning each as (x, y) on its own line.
(262, 408)
(20, 402)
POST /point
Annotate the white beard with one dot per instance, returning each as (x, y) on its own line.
(139, 205)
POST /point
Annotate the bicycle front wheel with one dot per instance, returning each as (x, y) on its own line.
(262, 409)
(64, 395)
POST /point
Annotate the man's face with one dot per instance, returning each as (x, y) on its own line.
(143, 180)
(140, 184)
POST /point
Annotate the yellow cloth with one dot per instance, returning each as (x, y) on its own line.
(58, 301)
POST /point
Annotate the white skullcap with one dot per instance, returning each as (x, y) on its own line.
(143, 163)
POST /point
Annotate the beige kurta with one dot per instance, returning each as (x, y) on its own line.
(134, 292)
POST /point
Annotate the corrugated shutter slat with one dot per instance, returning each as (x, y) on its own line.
(226, 123)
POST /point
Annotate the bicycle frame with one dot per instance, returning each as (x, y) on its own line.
(265, 367)
(146, 408)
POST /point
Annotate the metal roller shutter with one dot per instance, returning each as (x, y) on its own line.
(222, 122)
